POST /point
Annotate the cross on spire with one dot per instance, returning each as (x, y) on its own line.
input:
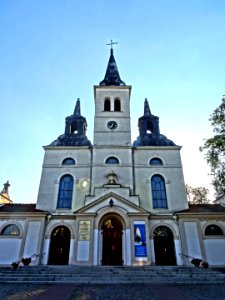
(112, 76)
(111, 44)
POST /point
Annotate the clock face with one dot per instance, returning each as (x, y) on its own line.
(112, 125)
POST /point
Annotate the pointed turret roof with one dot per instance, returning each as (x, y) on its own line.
(75, 130)
(112, 76)
(147, 111)
(149, 133)
(77, 108)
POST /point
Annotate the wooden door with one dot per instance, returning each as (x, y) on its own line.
(59, 246)
(112, 242)
(164, 247)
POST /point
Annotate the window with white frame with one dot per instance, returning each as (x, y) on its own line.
(159, 197)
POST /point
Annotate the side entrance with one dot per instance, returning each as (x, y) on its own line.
(164, 246)
(59, 246)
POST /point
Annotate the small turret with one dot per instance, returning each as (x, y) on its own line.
(76, 124)
(149, 133)
(75, 130)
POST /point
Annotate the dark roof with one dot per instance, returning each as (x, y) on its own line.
(75, 130)
(19, 208)
(149, 122)
(204, 208)
(112, 76)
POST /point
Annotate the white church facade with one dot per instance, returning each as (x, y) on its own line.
(113, 201)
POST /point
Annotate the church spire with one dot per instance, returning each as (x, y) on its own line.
(112, 76)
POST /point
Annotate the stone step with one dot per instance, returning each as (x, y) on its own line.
(114, 275)
(75, 269)
(109, 278)
(103, 274)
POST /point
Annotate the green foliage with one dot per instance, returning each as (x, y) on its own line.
(198, 195)
(214, 148)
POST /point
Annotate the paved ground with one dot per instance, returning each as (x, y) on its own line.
(114, 292)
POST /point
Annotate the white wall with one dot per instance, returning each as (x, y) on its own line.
(9, 250)
(53, 170)
(215, 251)
(31, 243)
(192, 240)
(171, 171)
(83, 250)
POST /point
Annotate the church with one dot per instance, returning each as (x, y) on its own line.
(112, 201)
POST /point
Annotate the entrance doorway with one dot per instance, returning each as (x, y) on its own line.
(112, 241)
(59, 246)
(164, 247)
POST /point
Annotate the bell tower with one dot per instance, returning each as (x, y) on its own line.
(112, 108)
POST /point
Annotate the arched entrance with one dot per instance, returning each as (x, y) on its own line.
(112, 241)
(164, 246)
(59, 246)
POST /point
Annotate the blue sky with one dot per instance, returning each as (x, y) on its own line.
(52, 52)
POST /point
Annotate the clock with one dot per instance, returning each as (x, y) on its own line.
(112, 125)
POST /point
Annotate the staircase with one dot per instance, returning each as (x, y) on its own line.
(111, 275)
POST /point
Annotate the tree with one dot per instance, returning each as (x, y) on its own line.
(214, 148)
(198, 195)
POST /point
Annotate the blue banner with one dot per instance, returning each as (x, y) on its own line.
(140, 240)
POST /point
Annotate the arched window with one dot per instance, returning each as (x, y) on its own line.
(158, 192)
(149, 127)
(117, 105)
(74, 128)
(68, 161)
(112, 160)
(11, 229)
(213, 230)
(107, 105)
(65, 192)
(155, 161)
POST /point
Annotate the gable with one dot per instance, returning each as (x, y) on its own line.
(112, 200)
